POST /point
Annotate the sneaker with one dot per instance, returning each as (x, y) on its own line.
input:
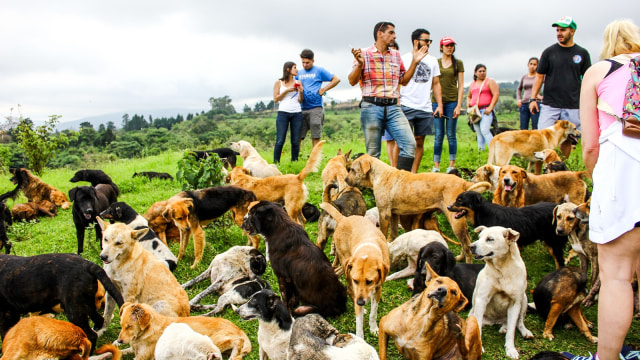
(570, 356)
(450, 169)
(628, 353)
(434, 169)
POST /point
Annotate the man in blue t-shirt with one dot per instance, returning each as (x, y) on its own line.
(312, 78)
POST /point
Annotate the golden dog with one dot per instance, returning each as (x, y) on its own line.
(336, 170)
(142, 326)
(400, 192)
(164, 228)
(36, 190)
(517, 188)
(139, 275)
(363, 253)
(288, 188)
(524, 143)
(428, 327)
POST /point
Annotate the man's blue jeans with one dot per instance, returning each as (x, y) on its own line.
(374, 119)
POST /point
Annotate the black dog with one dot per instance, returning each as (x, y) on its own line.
(223, 153)
(96, 177)
(304, 273)
(533, 222)
(6, 219)
(154, 175)
(443, 262)
(266, 306)
(38, 283)
(555, 166)
(88, 202)
(310, 212)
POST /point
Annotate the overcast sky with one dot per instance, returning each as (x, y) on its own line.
(86, 58)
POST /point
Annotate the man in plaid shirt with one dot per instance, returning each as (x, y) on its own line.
(379, 71)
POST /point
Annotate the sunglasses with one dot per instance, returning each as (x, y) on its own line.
(428, 41)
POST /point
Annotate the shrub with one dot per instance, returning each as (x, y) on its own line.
(194, 174)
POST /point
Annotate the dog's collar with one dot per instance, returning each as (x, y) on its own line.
(363, 245)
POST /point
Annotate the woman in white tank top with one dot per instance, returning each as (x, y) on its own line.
(287, 92)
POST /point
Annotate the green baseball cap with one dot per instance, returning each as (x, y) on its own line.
(565, 22)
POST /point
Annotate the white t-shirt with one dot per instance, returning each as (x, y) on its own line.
(417, 93)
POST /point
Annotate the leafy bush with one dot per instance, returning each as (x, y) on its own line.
(194, 174)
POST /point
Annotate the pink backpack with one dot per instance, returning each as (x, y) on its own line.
(631, 106)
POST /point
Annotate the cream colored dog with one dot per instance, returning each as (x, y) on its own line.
(363, 253)
(500, 294)
(406, 247)
(489, 173)
(180, 342)
(251, 160)
(139, 275)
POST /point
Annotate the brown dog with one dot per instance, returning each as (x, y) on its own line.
(164, 228)
(400, 192)
(142, 326)
(517, 188)
(428, 326)
(36, 190)
(31, 210)
(288, 188)
(524, 143)
(363, 253)
(349, 201)
(40, 337)
(336, 170)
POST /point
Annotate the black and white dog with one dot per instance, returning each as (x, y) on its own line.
(122, 212)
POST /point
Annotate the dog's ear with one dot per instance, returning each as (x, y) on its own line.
(555, 212)
(119, 212)
(124, 306)
(479, 229)
(103, 225)
(383, 271)
(431, 274)
(72, 193)
(462, 302)
(365, 166)
(524, 173)
(139, 234)
(450, 259)
(339, 152)
(166, 214)
(511, 235)
(141, 316)
(566, 198)
(257, 263)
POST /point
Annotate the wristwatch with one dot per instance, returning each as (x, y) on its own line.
(536, 100)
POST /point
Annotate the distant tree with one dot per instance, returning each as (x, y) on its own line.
(111, 126)
(247, 109)
(189, 116)
(271, 105)
(86, 124)
(38, 144)
(260, 107)
(125, 121)
(221, 105)
(137, 122)
(101, 128)
(106, 138)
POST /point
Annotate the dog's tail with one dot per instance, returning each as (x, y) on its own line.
(480, 187)
(84, 347)
(314, 161)
(115, 352)
(11, 194)
(333, 212)
(583, 175)
(490, 159)
(99, 274)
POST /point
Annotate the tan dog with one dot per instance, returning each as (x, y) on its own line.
(139, 275)
(400, 192)
(288, 188)
(524, 143)
(363, 253)
(517, 188)
(336, 170)
(142, 326)
(428, 327)
(252, 161)
(40, 338)
(489, 173)
(37, 190)
(31, 210)
(164, 228)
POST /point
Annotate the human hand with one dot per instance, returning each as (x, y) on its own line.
(456, 112)
(519, 103)
(321, 91)
(487, 110)
(357, 54)
(438, 112)
(419, 54)
(533, 107)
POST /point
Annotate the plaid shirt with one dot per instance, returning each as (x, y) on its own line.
(381, 73)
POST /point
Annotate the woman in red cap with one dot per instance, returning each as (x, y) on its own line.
(452, 84)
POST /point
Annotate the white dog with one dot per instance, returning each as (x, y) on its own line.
(180, 342)
(252, 161)
(500, 293)
(406, 247)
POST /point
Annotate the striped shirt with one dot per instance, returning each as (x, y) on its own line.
(381, 73)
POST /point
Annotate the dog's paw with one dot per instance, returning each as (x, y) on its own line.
(527, 334)
(503, 329)
(374, 330)
(547, 335)
(101, 332)
(512, 353)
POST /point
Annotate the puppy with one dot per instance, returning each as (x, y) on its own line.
(303, 270)
(363, 254)
(533, 222)
(226, 269)
(489, 173)
(88, 203)
(190, 210)
(36, 190)
(517, 188)
(313, 337)
(164, 228)
(30, 211)
(96, 177)
(122, 212)
(154, 175)
(252, 161)
(142, 327)
(39, 337)
(524, 143)
(443, 262)
(180, 342)
(38, 283)
(405, 249)
(560, 293)
(139, 275)
(274, 330)
(500, 294)
(404, 193)
(428, 326)
(336, 171)
(349, 201)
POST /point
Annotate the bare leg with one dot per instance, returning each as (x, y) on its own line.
(419, 152)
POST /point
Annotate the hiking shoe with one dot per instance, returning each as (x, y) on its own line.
(570, 356)
(434, 169)
(450, 169)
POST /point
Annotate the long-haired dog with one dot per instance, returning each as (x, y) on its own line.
(36, 190)
(303, 270)
(289, 188)
(31, 210)
(190, 210)
(96, 177)
(252, 161)
(40, 337)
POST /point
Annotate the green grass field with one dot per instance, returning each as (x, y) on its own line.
(58, 235)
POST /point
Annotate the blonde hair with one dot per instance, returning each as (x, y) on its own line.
(620, 37)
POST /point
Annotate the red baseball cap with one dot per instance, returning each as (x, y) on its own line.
(447, 40)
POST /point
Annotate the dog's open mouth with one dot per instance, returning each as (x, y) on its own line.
(460, 214)
(87, 216)
(508, 187)
(480, 256)
(573, 139)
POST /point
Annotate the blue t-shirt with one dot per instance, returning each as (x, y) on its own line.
(312, 82)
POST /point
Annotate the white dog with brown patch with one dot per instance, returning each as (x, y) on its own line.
(500, 293)
(363, 253)
(252, 160)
